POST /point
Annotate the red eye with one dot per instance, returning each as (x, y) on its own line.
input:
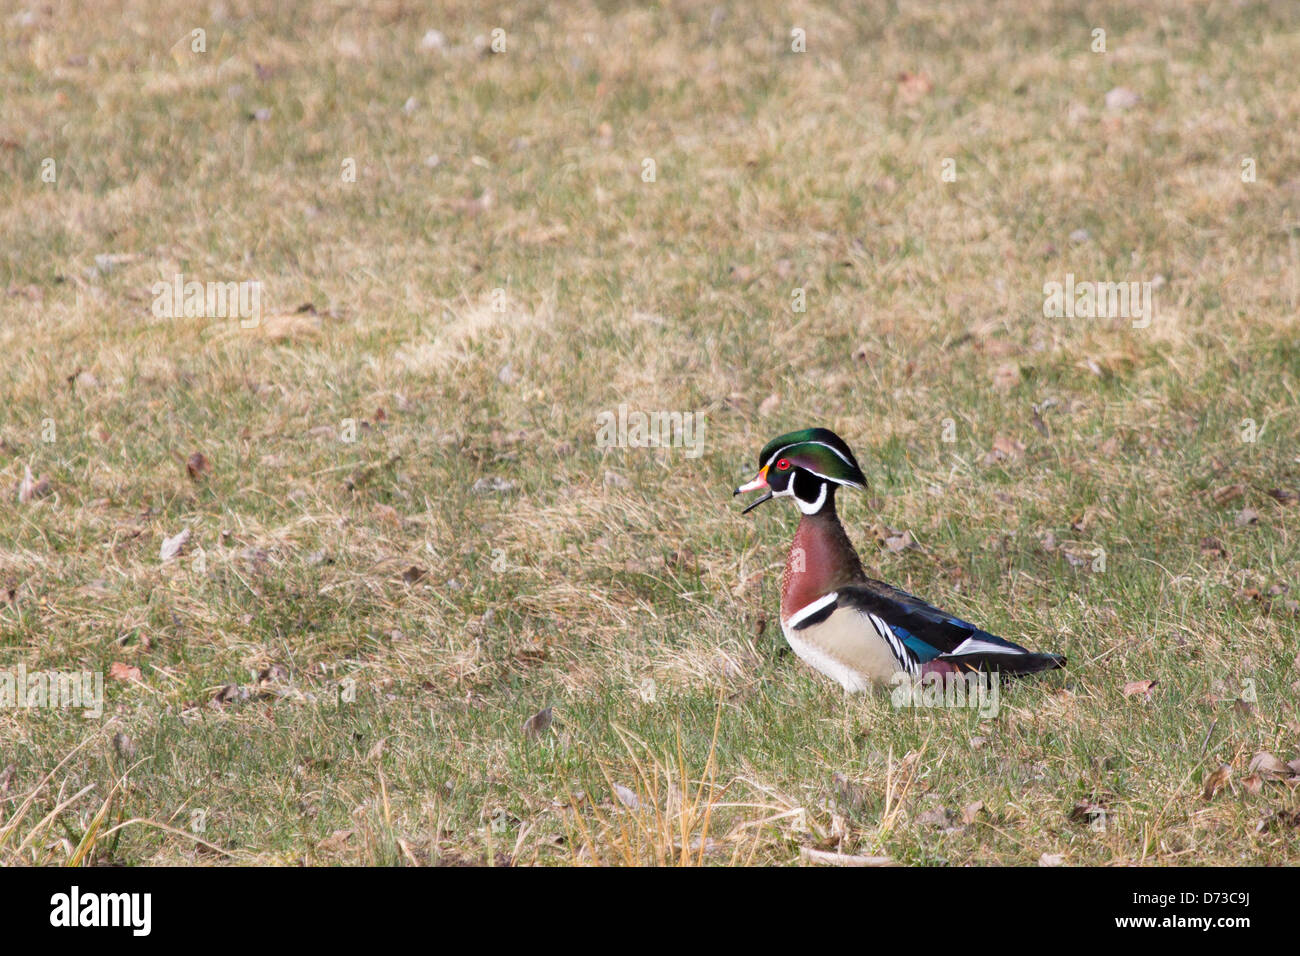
(783, 465)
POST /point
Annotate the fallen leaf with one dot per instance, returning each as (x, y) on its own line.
(827, 858)
(1247, 516)
(1253, 783)
(938, 817)
(1122, 98)
(1005, 449)
(1083, 520)
(898, 543)
(1144, 687)
(1006, 377)
(537, 724)
(336, 840)
(1266, 764)
(124, 672)
(413, 574)
(1086, 811)
(1228, 493)
(288, 326)
(29, 489)
(198, 465)
(913, 87)
(1280, 819)
(1213, 548)
(172, 547)
(971, 811)
(495, 483)
(1217, 780)
(1036, 419)
(473, 207)
(1051, 859)
(272, 673)
(228, 692)
(769, 405)
(626, 797)
(1284, 496)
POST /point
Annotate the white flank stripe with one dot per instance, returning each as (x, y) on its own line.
(900, 650)
(808, 610)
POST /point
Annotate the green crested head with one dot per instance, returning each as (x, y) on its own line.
(818, 450)
(806, 465)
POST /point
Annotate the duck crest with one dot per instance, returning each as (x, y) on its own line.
(821, 559)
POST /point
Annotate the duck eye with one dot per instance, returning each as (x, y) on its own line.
(783, 465)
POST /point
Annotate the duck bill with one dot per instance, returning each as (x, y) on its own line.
(759, 482)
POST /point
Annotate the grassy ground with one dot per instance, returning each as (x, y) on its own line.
(338, 666)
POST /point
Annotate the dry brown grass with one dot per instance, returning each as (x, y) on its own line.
(549, 571)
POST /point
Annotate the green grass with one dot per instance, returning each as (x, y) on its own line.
(621, 586)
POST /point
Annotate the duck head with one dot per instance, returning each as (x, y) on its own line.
(807, 466)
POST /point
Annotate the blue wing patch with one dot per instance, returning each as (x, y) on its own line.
(920, 648)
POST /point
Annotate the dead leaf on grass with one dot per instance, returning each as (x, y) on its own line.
(1006, 377)
(174, 546)
(1217, 781)
(1005, 449)
(538, 724)
(197, 466)
(1143, 687)
(914, 87)
(1227, 494)
(123, 672)
(29, 489)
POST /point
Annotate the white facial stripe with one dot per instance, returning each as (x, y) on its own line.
(776, 453)
(838, 481)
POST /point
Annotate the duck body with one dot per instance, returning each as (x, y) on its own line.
(861, 632)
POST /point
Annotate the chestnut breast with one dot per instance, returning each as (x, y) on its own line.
(821, 559)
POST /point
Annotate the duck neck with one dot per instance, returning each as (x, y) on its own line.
(821, 559)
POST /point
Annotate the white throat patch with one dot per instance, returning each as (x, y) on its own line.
(811, 508)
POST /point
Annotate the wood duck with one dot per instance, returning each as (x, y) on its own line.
(856, 630)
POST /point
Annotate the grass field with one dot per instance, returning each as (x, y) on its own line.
(404, 539)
